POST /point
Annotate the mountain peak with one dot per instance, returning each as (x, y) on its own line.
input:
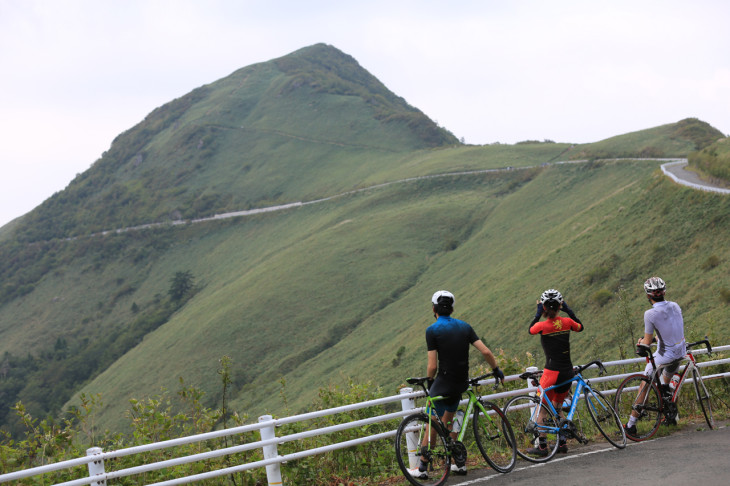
(270, 133)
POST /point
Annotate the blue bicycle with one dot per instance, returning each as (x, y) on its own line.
(536, 421)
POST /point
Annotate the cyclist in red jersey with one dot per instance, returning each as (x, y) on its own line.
(555, 339)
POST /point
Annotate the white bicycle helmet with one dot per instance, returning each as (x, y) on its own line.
(551, 294)
(443, 297)
(654, 286)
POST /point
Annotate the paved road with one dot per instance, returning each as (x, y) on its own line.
(679, 173)
(674, 168)
(692, 455)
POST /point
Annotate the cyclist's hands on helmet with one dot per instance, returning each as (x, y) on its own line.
(498, 375)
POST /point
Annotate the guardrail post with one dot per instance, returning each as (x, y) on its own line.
(96, 467)
(273, 471)
(531, 369)
(409, 403)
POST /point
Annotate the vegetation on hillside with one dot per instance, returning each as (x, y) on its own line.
(328, 70)
(674, 140)
(45, 381)
(713, 161)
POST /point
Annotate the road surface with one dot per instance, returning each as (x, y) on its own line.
(692, 455)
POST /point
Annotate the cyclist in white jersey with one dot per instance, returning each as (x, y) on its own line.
(665, 319)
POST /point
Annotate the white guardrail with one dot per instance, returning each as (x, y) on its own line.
(95, 457)
(702, 187)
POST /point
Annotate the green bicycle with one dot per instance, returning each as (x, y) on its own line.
(422, 436)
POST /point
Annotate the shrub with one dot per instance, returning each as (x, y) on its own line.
(711, 262)
(602, 297)
(725, 295)
(598, 274)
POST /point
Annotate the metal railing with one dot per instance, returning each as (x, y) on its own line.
(702, 187)
(267, 425)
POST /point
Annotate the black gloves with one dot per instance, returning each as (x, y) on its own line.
(567, 309)
(498, 375)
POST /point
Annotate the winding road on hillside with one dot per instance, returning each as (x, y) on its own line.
(673, 168)
(677, 171)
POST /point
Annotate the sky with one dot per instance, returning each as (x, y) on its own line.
(76, 73)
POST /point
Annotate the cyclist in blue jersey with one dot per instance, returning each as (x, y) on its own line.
(448, 340)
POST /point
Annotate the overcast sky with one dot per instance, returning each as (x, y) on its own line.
(76, 73)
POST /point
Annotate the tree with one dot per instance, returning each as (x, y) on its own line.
(181, 285)
(624, 323)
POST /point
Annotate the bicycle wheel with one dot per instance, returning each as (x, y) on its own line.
(409, 451)
(703, 397)
(494, 437)
(605, 418)
(521, 412)
(648, 406)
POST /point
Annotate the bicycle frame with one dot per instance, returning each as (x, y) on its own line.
(645, 397)
(582, 384)
(688, 367)
(427, 451)
(471, 401)
(455, 439)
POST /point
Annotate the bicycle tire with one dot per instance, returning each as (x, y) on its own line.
(703, 397)
(650, 410)
(519, 414)
(408, 440)
(494, 437)
(605, 417)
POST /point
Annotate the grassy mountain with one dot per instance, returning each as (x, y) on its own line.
(339, 286)
(285, 122)
(673, 140)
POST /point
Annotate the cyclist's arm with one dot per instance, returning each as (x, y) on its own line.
(486, 352)
(432, 365)
(538, 315)
(647, 339)
(536, 328)
(571, 314)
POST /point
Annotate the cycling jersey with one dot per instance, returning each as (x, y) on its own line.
(665, 318)
(451, 339)
(555, 340)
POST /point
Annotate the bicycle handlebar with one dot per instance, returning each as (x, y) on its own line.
(472, 381)
(645, 351)
(578, 369)
(705, 341)
(597, 362)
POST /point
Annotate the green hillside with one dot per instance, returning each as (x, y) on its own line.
(713, 161)
(309, 123)
(673, 140)
(339, 286)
